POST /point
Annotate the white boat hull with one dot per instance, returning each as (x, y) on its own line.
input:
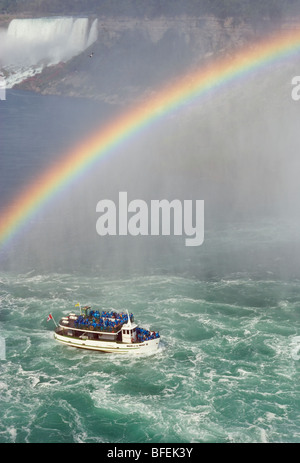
(109, 346)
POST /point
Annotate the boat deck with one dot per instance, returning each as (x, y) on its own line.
(107, 327)
(107, 332)
(105, 323)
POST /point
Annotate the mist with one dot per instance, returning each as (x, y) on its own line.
(29, 45)
(237, 150)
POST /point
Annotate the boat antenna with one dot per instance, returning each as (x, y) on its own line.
(129, 321)
(79, 305)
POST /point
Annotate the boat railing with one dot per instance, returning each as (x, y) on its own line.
(105, 325)
(107, 322)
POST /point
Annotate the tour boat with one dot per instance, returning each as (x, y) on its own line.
(106, 332)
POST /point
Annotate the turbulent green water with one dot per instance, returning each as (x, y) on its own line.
(228, 311)
(227, 369)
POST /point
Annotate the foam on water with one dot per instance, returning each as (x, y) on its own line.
(224, 373)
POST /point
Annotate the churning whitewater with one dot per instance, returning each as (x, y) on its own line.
(28, 45)
(227, 312)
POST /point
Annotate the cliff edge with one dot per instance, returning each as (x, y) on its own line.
(133, 55)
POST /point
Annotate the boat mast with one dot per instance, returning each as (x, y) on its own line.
(129, 321)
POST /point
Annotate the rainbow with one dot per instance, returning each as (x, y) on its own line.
(195, 84)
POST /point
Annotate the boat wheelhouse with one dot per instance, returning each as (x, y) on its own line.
(106, 332)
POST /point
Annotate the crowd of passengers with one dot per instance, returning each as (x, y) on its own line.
(145, 335)
(104, 320)
(112, 320)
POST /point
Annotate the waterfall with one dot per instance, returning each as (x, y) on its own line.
(31, 44)
(93, 35)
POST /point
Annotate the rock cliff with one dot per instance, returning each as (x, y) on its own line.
(132, 56)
